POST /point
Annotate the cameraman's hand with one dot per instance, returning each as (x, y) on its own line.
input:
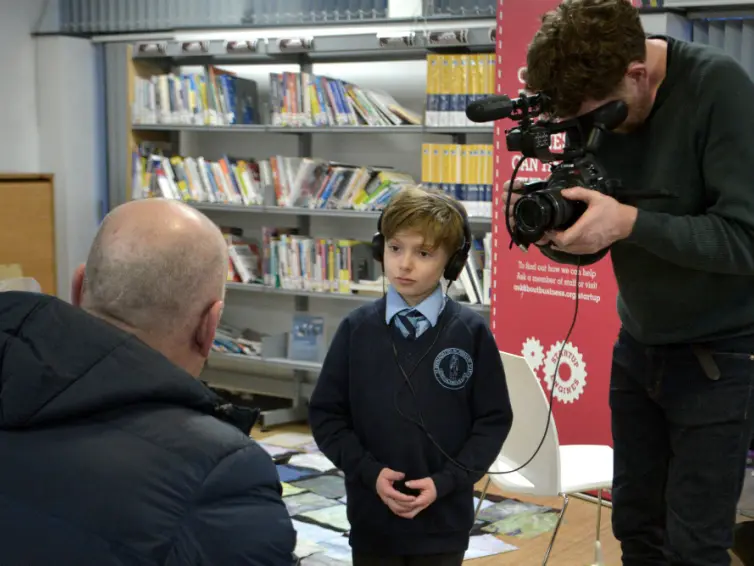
(604, 222)
(399, 503)
(517, 186)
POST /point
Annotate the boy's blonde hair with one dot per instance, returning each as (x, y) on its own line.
(428, 212)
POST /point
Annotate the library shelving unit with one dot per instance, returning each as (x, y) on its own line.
(290, 380)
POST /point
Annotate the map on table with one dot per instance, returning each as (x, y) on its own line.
(315, 495)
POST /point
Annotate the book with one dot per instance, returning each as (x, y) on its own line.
(308, 100)
(279, 180)
(463, 171)
(453, 82)
(306, 340)
(212, 97)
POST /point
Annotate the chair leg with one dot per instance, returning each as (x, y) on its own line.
(598, 561)
(481, 498)
(555, 532)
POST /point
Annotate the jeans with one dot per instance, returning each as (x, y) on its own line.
(682, 420)
(743, 545)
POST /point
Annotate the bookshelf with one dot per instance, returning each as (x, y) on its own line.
(276, 130)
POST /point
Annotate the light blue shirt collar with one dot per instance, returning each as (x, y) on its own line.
(431, 307)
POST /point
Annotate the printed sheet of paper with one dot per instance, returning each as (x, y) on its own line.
(274, 451)
(338, 549)
(290, 440)
(321, 559)
(332, 487)
(306, 548)
(476, 529)
(314, 533)
(310, 447)
(289, 489)
(334, 516)
(303, 502)
(524, 525)
(288, 474)
(486, 545)
(507, 508)
(313, 461)
(486, 503)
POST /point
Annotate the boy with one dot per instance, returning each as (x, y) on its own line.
(412, 402)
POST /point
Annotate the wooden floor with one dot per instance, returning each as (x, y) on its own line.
(574, 545)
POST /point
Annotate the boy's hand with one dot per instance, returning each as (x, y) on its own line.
(399, 503)
(427, 496)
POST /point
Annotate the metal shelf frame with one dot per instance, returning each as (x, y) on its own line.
(356, 297)
(218, 360)
(266, 129)
(238, 372)
(411, 44)
(477, 222)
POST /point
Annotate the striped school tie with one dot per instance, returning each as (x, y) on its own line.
(411, 323)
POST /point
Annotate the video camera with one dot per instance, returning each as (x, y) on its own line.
(542, 207)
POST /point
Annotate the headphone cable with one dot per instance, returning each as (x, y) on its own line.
(423, 427)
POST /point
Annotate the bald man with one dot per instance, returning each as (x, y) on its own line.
(111, 451)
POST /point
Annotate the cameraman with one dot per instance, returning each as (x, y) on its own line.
(682, 383)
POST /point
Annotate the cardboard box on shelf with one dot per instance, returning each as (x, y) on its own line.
(12, 279)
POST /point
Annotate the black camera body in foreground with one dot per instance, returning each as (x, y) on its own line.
(542, 207)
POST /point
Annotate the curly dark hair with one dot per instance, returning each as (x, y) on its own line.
(582, 51)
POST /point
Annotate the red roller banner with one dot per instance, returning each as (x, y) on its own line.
(532, 298)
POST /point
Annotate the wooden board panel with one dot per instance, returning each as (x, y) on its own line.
(27, 227)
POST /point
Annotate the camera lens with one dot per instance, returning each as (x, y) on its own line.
(563, 210)
(532, 214)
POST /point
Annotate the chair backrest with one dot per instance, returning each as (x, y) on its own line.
(530, 417)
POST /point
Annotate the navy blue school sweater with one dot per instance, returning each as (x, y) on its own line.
(460, 394)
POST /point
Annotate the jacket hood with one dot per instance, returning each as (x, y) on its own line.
(58, 362)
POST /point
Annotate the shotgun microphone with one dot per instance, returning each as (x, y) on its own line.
(490, 109)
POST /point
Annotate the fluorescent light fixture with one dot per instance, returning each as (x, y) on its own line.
(193, 47)
(249, 46)
(153, 47)
(448, 37)
(288, 44)
(407, 38)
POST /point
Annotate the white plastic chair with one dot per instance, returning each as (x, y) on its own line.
(556, 470)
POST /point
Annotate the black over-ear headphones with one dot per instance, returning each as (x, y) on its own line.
(457, 260)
